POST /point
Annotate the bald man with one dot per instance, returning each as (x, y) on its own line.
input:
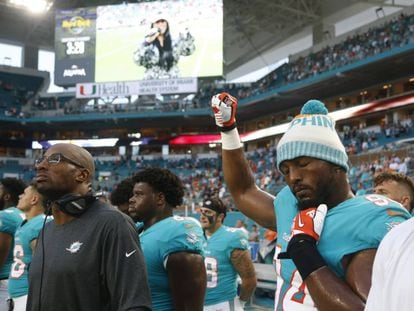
(397, 187)
(87, 256)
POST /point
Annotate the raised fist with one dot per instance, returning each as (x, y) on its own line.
(224, 107)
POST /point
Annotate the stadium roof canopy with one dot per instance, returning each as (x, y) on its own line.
(252, 28)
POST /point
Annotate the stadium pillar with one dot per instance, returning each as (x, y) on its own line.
(30, 56)
(165, 150)
(322, 32)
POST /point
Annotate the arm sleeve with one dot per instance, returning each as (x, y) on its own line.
(6, 225)
(124, 271)
(187, 236)
(35, 230)
(385, 220)
(239, 240)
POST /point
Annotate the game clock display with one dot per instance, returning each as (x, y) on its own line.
(75, 47)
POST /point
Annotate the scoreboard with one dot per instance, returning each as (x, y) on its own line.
(75, 38)
(100, 44)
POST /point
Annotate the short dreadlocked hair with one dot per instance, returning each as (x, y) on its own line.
(162, 180)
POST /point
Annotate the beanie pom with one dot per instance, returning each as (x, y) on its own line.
(314, 106)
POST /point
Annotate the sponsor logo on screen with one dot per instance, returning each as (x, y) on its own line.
(74, 71)
(142, 87)
(86, 90)
(76, 24)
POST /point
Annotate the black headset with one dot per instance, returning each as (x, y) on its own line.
(75, 205)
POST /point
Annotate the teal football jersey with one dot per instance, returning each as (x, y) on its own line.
(10, 220)
(25, 234)
(221, 275)
(170, 235)
(351, 226)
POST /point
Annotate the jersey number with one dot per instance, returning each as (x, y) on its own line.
(296, 291)
(377, 199)
(18, 265)
(212, 271)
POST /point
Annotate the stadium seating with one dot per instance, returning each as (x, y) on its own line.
(16, 90)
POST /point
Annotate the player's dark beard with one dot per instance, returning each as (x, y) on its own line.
(1, 203)
(323, 190)
(302, 205)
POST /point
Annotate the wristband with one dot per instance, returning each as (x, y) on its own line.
(226, 128)
(231, 140)
(303, 252)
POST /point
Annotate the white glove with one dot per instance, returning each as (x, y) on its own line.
(224, 107)
(310, 222)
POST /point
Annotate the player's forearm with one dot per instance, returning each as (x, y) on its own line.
(249, 199)
(190, 297)
(3, 256)
(339, 297)
(247, 288)
(237, 172)
(187, 280)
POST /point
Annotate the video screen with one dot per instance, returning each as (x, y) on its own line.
(139, 41)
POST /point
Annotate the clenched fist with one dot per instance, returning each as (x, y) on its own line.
(224, 107)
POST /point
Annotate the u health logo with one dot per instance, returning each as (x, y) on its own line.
(87, 89)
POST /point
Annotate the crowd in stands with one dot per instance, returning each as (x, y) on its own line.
(393, 34)
(204, 178)
(357, 140)
(16, 90)
(360, 46)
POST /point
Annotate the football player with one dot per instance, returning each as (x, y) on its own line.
(172, 245)
(120, 195)
(227, 255)
(317, 270)
(397, 187)
(31, 203)
(10, 219)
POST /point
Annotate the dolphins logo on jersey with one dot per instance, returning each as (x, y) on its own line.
(244, 242)
(74, 247)
(391, 225)
(192, 237)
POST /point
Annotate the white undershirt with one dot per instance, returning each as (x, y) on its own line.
(393, 271)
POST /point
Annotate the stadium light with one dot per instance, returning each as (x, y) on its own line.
(91, 143)
(35, 6)
(134, 135)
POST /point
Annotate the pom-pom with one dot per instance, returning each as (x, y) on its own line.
(314, 106)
